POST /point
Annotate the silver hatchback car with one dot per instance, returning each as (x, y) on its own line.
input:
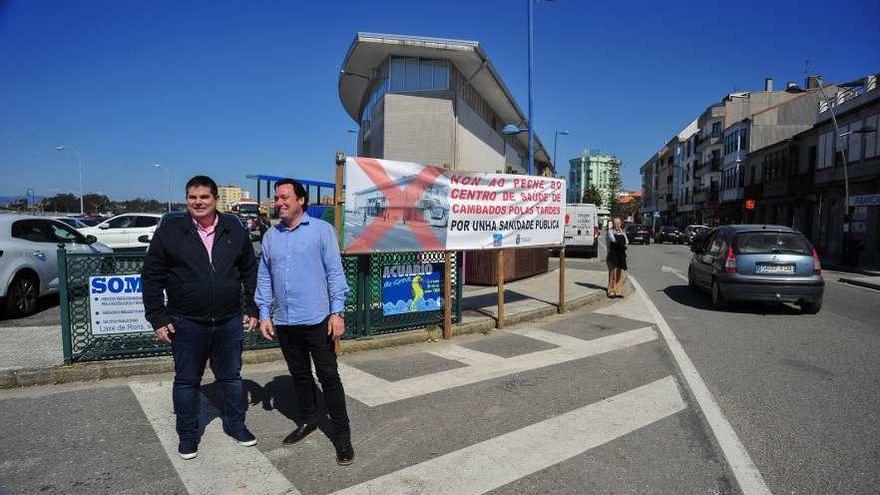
(29, 258)
(770, 263)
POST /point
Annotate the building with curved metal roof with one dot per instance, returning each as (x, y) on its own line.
(433, 101)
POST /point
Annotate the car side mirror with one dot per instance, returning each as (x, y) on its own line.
(104, 226)
(145, 238)
(90, 239)
(696, 248)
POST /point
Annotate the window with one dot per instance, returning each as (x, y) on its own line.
(812, 157)
(412, 74)
(30, 230)
(441, 74)
(716, 128)
(398, 74)
(871, 143)
(59, 232)
(826, 150)
(144, 221)
(122, 222)
(715, 246)
(854, 150)
(772, 242)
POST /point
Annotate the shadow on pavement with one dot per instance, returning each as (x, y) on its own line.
(37, 318)
(277, 395)
(490, 299)
(591, 286)
(683, 295)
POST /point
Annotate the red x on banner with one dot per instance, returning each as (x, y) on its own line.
(401, 206)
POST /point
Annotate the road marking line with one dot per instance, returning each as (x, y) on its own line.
(501, 460)
(222, 466)
(630, 308)
(373, 391)
(744, 470)
(675, 271)
(467, 356)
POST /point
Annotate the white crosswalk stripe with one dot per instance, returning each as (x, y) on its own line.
(222, 466)
(501, 460)
(374, 391)
(225, 467)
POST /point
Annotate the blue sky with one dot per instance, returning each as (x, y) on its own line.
(230, 88)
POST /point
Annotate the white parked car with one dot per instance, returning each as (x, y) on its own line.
(122, 231)
(73, 222)
(29, 258)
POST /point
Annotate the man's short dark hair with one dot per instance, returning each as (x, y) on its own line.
(203, 180)
(298, 189)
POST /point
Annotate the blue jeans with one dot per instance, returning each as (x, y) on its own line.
(192, 344)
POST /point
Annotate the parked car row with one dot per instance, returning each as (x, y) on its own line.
(641, 234)
(29, 259)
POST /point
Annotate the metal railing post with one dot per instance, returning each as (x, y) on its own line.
(366, 303)
(447, 295)
(499, 274)
(561, 307)
(64, 301)
(459, 283)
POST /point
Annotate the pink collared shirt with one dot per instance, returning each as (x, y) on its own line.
(207, 235)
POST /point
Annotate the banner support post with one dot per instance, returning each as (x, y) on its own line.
(447, 295)
(337, 216)
(561, 308)
(499, 272)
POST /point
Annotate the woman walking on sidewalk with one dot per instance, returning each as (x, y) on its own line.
(616, 245)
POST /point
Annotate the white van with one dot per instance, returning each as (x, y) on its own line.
(582, 228)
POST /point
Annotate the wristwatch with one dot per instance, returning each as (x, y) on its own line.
(340, 314)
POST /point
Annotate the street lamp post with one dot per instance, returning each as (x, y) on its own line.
(555, 139)
(82, 210)
(531, 121)
(168, 181)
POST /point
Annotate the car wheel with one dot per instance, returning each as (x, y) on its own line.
(811, 308)
(692, 283)
(717, 299)
(21, 298)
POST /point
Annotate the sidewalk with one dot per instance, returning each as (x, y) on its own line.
(872, 282)
(32, 355)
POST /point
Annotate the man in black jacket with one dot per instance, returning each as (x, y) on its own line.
(202, 260)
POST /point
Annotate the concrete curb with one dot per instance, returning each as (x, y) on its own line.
(861, 282)
(101, 370)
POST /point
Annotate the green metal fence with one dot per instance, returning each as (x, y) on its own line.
(363, 305)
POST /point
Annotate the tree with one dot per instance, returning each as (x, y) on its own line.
(20, 204)
(96, 203)
(593, 195)
(61, 203)
(614, 206)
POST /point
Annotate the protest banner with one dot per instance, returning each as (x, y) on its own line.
(398, 206)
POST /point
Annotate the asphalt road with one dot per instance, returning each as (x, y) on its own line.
(801, 391)
(548, 407)
(586, 402)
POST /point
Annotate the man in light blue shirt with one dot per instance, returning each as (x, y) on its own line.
(301, 293)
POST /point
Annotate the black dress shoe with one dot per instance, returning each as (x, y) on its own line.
(299, 434)
(344, 451)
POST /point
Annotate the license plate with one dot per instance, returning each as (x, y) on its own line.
(773, 268)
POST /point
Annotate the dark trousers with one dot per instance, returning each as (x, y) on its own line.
(192, 345)
(302, 344)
